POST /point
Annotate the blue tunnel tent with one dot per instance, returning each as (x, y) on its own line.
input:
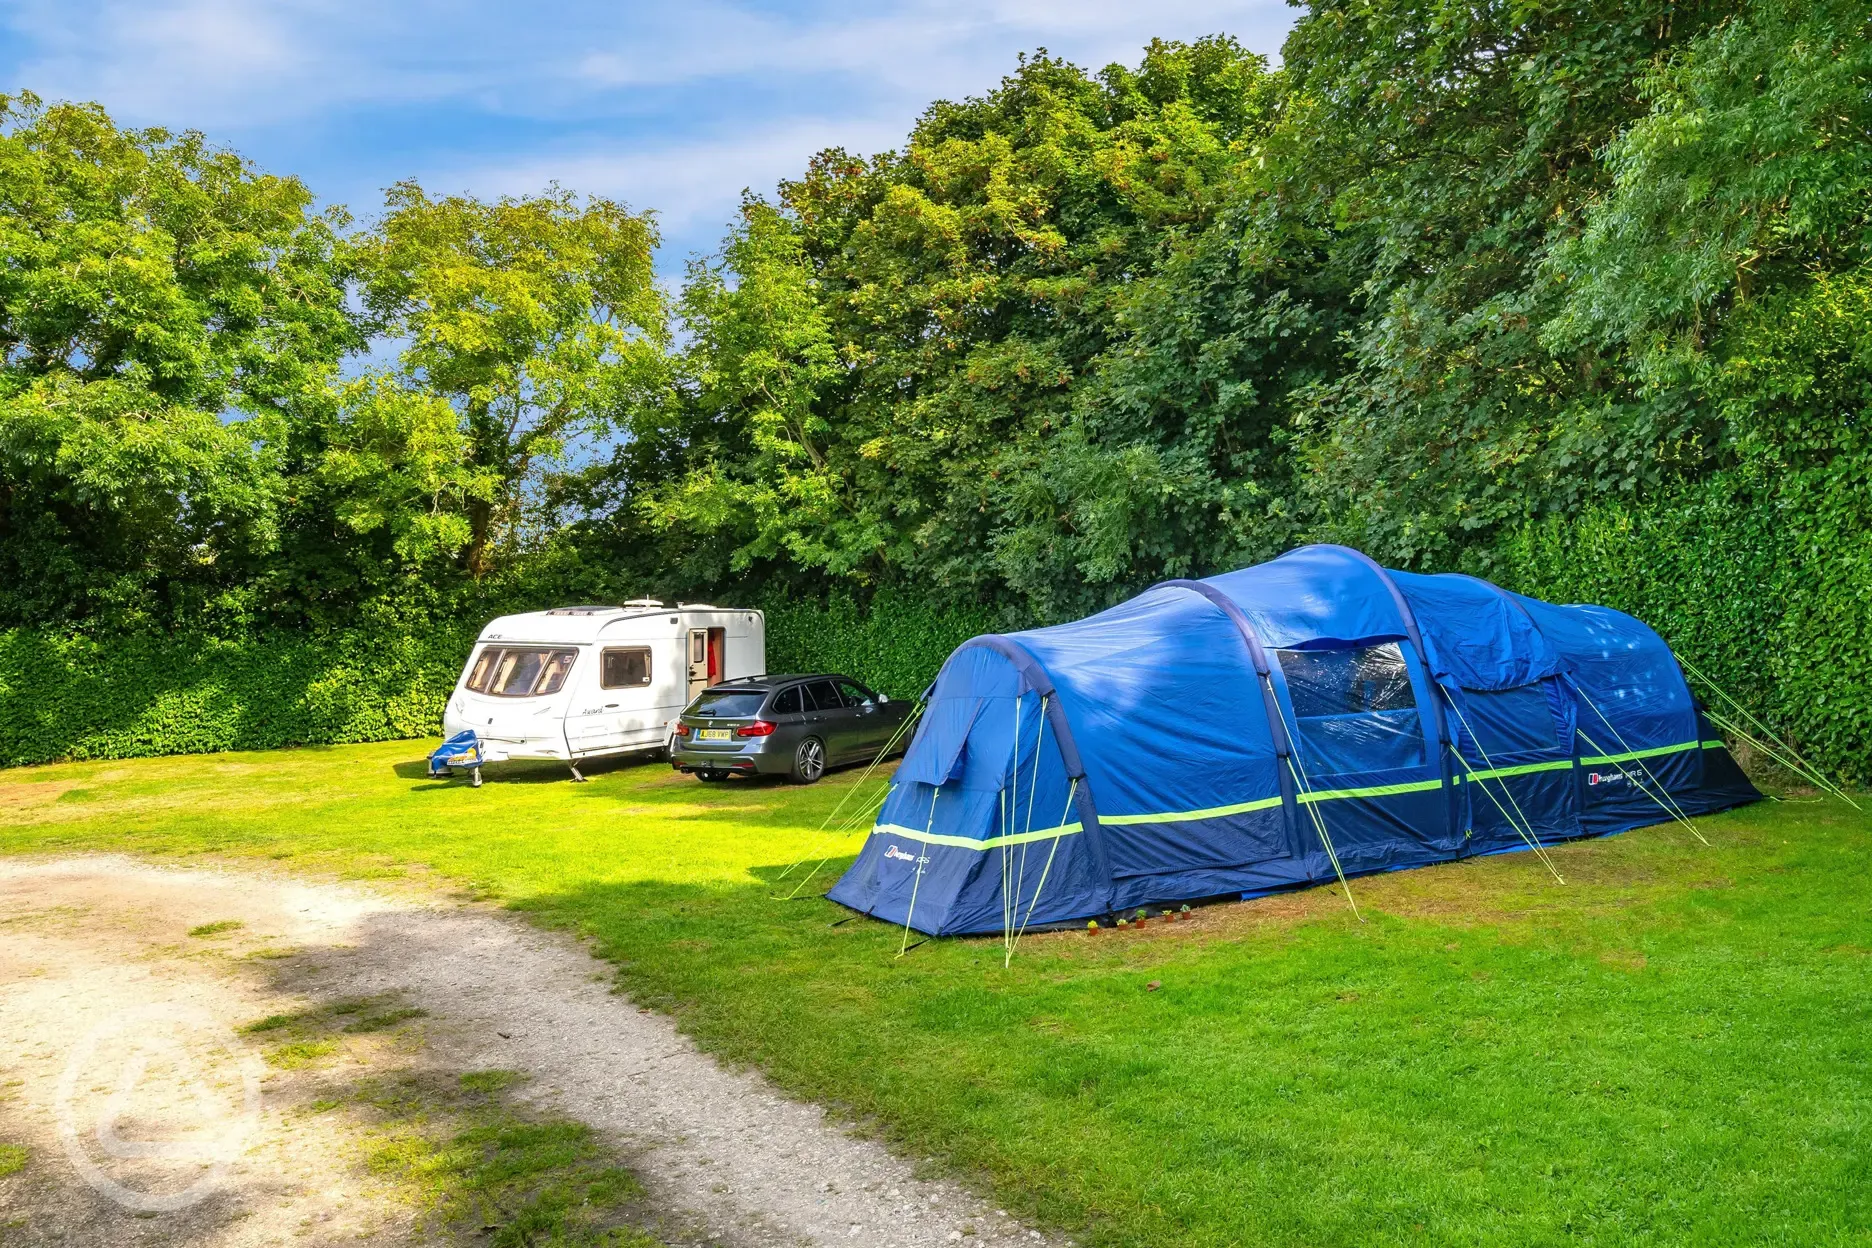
(1230, 736)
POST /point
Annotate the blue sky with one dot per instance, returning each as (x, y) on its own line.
(672, 107)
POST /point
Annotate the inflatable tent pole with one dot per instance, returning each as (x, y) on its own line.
(1270, 702)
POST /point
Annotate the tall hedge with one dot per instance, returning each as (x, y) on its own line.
(1762, 581)
(131, 697)
(139, 696)
(896, 644)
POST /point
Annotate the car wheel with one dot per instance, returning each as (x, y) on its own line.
(808, 761)
(711, 777)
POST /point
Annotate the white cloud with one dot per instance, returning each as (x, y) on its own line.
(229, 63)
(675, 107)
(693, 184)
(916, 45)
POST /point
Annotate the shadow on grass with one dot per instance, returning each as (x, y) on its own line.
(470, 1159)
(529, 771)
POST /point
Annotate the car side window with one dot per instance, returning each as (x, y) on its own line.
(826, 695)
(788, 703)
(855, 693)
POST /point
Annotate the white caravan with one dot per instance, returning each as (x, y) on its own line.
(583, 682)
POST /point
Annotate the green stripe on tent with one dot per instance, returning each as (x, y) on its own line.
(1213, 812)
(1377, 790)
(969, 842)
(1178, 816)
(1268, 803)
(1564, 764)
(1633, 755)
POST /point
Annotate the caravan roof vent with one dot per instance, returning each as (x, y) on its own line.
(598, 610)
(644, 602)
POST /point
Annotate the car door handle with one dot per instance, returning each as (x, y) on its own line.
(611, 706)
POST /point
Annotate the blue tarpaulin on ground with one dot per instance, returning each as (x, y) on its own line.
(1220, 737)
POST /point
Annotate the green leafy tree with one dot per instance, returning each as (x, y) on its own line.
(766, 480)
(164, 308)
(881, 352)
(537, 320)
(1441, 149)
(399, 463)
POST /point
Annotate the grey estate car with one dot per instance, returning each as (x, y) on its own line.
(792, 726)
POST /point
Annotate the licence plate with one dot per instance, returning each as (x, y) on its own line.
(714, 734)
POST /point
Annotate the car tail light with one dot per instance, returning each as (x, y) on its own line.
(759, 728)
(682, 730)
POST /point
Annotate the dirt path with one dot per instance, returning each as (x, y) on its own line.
(96, 950)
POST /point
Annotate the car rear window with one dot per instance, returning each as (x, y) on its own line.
(729, 703)
(520, 671)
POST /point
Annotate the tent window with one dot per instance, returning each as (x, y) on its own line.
(1510, 722)
(1354, 708)
(625, 668)
(520, 671)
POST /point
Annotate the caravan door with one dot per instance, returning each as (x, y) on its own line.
(698, 661)
(705, 658)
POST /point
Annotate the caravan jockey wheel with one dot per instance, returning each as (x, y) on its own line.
(808, 761)
(477, 778)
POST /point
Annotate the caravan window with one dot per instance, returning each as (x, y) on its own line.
(1354, 708)
(520, 671)
(624, 668)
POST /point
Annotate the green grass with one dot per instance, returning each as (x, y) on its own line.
(1676, 1047)
(217, 928)
(12, 1159)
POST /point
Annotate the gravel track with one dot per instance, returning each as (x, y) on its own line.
(727, 1158)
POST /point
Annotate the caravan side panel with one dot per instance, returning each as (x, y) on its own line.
(630, 716)
(746, 645)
